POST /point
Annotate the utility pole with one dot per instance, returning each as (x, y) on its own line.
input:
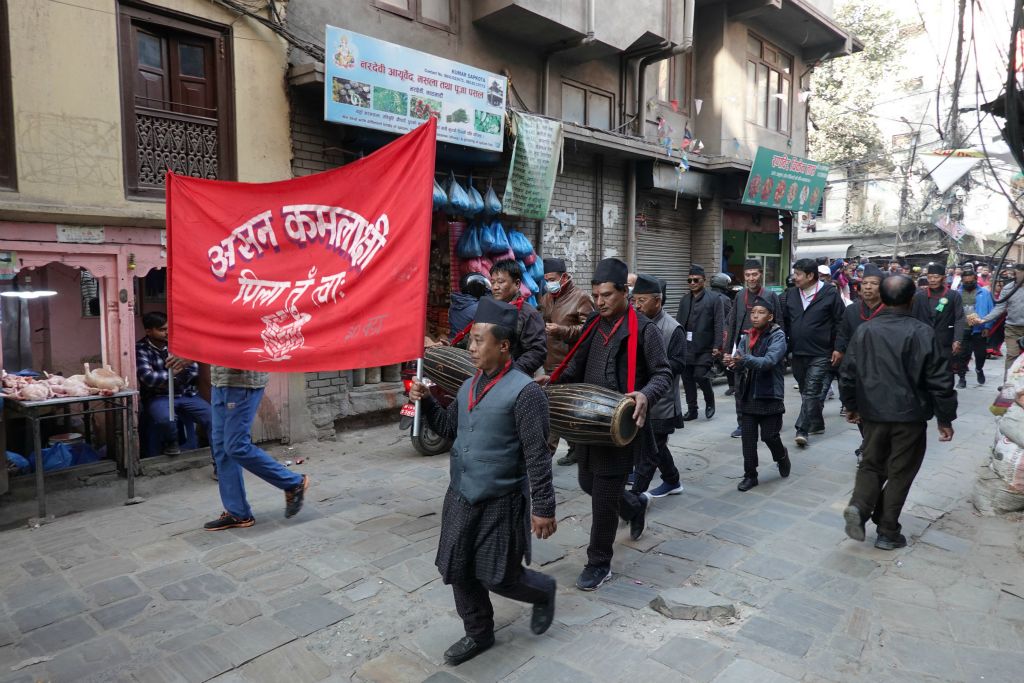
(905, 190)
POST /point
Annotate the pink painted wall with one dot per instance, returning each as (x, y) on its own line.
(72, 338)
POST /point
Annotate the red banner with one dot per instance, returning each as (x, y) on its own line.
(324, 272)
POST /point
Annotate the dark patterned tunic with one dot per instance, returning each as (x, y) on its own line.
(489, 540)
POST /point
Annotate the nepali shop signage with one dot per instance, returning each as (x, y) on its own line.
(783, 181)
(534, 166)
(376, 84)
(322, 272)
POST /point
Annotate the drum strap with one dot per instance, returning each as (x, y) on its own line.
(631, 348)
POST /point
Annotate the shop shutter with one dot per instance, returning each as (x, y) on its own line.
(663, 247)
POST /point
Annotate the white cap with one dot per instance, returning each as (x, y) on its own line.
(823, 270)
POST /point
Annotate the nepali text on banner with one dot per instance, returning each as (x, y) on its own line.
(324, 272)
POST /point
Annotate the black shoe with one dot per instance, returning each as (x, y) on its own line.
(801, 439)
(591, 578)
(785, 465)
(228, 521)
(854, 523)
(567, 459)
(709, 412)
(981, 377)
(962, 384)
(886, 542)
(466, 649)
(736, 433)
(639, 521)
(293, 497)
(690, 414)
(747, 484)
(544, 612)
(731, 391)
(859, 453)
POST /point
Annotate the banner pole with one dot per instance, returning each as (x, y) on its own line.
(172, 447)
(416, 416)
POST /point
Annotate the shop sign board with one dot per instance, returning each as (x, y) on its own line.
(8, 265)
(80, 234)
(375, 84)
(782, 181)
(534, 166)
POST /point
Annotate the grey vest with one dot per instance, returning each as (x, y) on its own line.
(668, 406)
(487, 458)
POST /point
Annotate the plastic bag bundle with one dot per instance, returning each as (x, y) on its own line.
(524, 291)
(529, 259)
(487, 238)
(468, 246)
(521, 246)
(476, 202)
(532, 301)
(529, 281)
(440, 197)
(458, 200)
(492, 205)
(536, 270)
(500, 244)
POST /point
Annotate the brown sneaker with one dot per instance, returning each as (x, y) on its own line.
(293, 497)
(228, 521)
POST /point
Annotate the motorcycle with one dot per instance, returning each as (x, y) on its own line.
(428, 443)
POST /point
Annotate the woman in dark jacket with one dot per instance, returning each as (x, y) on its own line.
(759, 364)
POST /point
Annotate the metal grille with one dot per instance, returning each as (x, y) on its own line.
(663, 245)
(184, 146)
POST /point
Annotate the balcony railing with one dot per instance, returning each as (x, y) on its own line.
(187, 145)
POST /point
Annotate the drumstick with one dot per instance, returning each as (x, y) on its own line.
(416, 415)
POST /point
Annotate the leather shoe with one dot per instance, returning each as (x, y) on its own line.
(466, 649)
(747, 484)
(709, 412)
(886, 542)
(981, 376)
(544, 612)
(854, 523)
(690, 415)
(962, 384)
(639, 521)
(785, 465)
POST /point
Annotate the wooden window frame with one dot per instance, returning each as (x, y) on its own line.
(759, 60)
(416, 14)
(132, 13)
(685, 98)
(588, 90)
(8, 160)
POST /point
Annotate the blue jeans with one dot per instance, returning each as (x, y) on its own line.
(192, 407)
(233, 411)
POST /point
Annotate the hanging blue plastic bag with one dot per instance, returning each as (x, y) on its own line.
(528, 279)
(492, 205)
(468, 246)
(537, 270)
(532, 301)
(501, 244)
(476, 202)
(440, 197)
(458, 200)
(487, 238)
(518, 241)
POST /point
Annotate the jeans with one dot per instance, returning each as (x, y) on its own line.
(813, 375)
(233, 450)
(193, 407)
(893, 453)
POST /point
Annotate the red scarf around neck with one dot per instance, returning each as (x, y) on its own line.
(631, 347)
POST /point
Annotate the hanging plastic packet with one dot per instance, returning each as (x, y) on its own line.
(476, 202)
(492, 205)
(458, 200)
(501, 243)
(440, 197)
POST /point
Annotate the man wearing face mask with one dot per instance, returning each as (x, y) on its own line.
(978, 301)
(565, 308)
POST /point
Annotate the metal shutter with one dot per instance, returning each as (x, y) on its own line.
(663, 247)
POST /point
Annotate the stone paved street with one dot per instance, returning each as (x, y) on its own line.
(347, 590)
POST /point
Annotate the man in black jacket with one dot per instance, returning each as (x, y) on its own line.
(942, 309)
(739, 321)
(530, 342)
(894, 378)
(702, 317)
(812, 314)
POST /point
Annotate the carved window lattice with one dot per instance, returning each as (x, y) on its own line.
(186, 147)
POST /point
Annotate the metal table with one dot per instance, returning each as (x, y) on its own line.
(120, 407)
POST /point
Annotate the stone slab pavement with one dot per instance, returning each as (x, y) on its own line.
(347, 590)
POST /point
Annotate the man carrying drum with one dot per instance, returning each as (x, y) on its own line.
(499, 465)
(620, 350)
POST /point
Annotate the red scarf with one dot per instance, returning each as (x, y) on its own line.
(473, 401)
(631, 346)
(755, 334)
(877, 311)
(518, 303)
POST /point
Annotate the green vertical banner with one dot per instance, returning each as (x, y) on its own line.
(783, 181)
(534, 166)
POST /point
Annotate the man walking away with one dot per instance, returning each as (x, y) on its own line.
(894, 378)
(499, 421)
(702, 316)
(666, 415)
(943, 309)
(236, 397)
(739, 321)
(978, 301)
(1012, 304)
(564, 307)
(813, 313)
(759, 363)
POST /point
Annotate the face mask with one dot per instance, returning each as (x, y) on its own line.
(552, 287)
(970, 285)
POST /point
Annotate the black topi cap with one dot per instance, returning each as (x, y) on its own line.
(752, 264)
(936, 269)
(497, 313)
(696, 269)
(611, 270)
(645, 284)
(763, 303)
(554, 265)
(871, 270)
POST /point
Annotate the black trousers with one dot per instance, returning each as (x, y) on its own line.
(974, 345)
(663, 463)
(473, 600)
(893, 453)
(608, 501)
(813, 374)
(770, 427)
(694, 376)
